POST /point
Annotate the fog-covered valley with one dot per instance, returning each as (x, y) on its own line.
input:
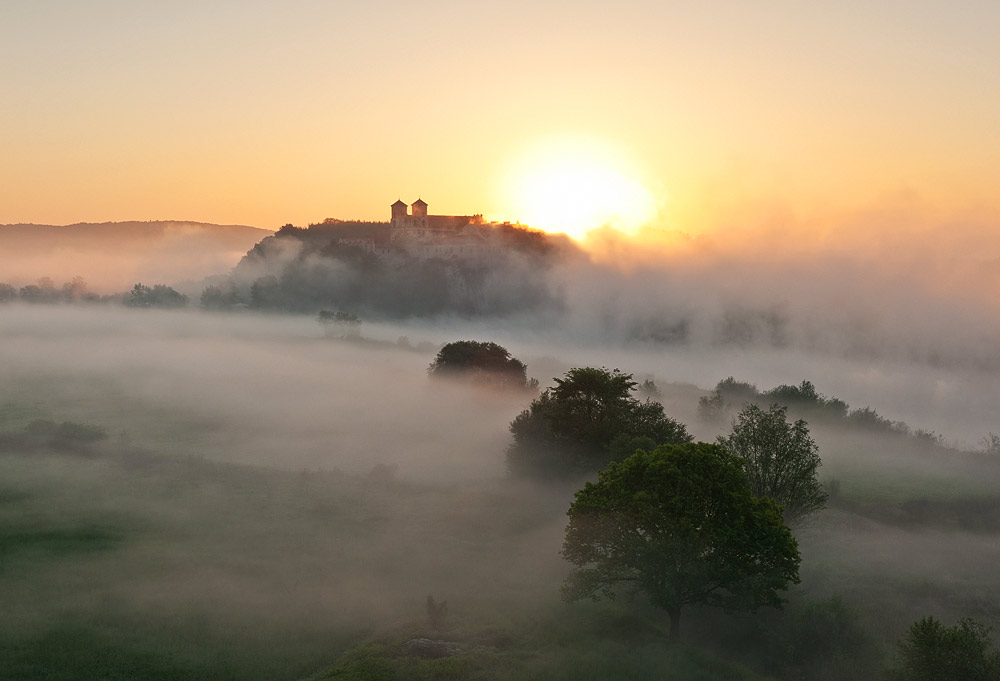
(268, 497)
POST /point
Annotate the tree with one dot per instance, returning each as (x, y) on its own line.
(265, 293)
(931, 651)
(340, 324)
(157, 296)
(728, 394)
(482, 362)
(75, 290)
(588, 419)
(220, 297)
(779, 458)
(681, 525)
(650, 390)
(43, 291)
(804, 397)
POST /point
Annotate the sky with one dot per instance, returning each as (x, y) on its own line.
(688, 114)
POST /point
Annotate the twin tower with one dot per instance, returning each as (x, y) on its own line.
(401, 217)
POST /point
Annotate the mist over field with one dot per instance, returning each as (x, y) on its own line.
(891, 283)
(440, 341)
(269, 496)
(113, 256)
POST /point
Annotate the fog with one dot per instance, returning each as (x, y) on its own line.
(261, 390)
(896, 282)
(260, 481)
(272, 379)
(265, 482)
(111, 257)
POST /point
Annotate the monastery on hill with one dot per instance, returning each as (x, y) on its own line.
(412, 230)
(420, 220)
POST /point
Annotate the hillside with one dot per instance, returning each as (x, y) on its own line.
(370, 268)
(112, 256)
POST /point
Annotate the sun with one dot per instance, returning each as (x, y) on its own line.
(574, 187)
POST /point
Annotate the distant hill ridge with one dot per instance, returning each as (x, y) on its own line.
(128, 229)
(112, 256)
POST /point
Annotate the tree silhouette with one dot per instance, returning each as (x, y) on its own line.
(780, 459)
(482, 362)
(588, 419)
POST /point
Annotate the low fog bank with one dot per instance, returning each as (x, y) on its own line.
(954, 401)
(122, 564)
(893, 283)
(112, 257)
(275, 390)
(897, 285)
(262, 481)
(269, 391)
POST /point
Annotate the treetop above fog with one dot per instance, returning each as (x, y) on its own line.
(780, 459)
(157, 296)
(480, 361)
(588, 419)
(731, 395)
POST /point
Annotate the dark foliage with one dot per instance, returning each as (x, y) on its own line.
(157, 296)
(62, 437)
(930, 651)
(587, 420)
(480, 361)
(731, 395)
(680, 525)
(779, 458)
(44, 291)
(221, 297)
(808, 639)
(356, 266)
(340, 324)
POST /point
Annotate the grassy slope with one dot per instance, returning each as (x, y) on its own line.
(115, 563)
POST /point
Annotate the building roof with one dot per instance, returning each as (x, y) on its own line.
(399, 202)
(420, 202)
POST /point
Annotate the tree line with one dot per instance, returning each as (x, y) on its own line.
(681, 522)
(46, 292)
(690, 523)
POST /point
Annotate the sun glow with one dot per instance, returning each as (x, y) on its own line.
(576, 187)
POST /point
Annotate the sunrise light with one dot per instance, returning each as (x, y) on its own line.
(574, 187)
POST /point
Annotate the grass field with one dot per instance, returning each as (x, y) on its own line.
(285, 514)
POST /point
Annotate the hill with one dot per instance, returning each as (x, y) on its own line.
(380, 271)
(112, 256)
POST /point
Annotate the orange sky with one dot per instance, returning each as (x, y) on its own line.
(264, 113)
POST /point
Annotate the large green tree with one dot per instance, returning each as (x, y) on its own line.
(780, 459)
(590, 417)
(681, 525)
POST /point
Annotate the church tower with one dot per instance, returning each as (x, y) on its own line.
(419, 212)
(398, 213)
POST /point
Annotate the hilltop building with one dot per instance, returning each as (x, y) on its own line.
(438, 236)
(414, 232)
(415, 217)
